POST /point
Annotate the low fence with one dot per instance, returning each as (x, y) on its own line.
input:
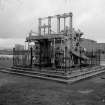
(28, 58)
(94, 57)
(22, 58)
(6, 61)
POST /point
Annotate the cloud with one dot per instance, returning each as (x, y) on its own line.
(18, 17)
(90, 18)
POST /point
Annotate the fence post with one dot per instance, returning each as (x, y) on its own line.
(66, 59)
(54, 58)
(13, 57)
(80, 58)
(40, 64)
(31, 57)
(92, 58)
(99, 57)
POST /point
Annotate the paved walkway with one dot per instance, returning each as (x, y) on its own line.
(69, 78)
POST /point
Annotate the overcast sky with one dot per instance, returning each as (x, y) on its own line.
(18, 17)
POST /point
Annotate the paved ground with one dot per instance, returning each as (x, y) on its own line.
(18, 90)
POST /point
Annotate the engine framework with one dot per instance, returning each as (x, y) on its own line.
(58, 50)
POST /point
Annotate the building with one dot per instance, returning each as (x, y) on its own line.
(19, 47)
(89, 45)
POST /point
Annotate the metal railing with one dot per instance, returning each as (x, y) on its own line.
(29, 58)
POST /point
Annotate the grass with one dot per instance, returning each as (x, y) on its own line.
(18, 90)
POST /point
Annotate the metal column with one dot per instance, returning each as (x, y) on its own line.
(70, 25)
(31, 61)
(39, 28)
(64, 24)
(58, 23)
(49, 25)
(54, 53)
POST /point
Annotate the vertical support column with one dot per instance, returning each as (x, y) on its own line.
(39, 28)
(70, 63)
(80, 58)
(71, 28)
(28, 45)
(28, 53)
(44, 29)
(70, 24)
(54, 53)
(49, 25)
(64, 24)
(66, 62)
(58, 23)
(40, 55)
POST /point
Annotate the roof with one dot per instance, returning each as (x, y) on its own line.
(33, 38)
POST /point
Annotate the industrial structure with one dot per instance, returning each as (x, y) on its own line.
(57, 48)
